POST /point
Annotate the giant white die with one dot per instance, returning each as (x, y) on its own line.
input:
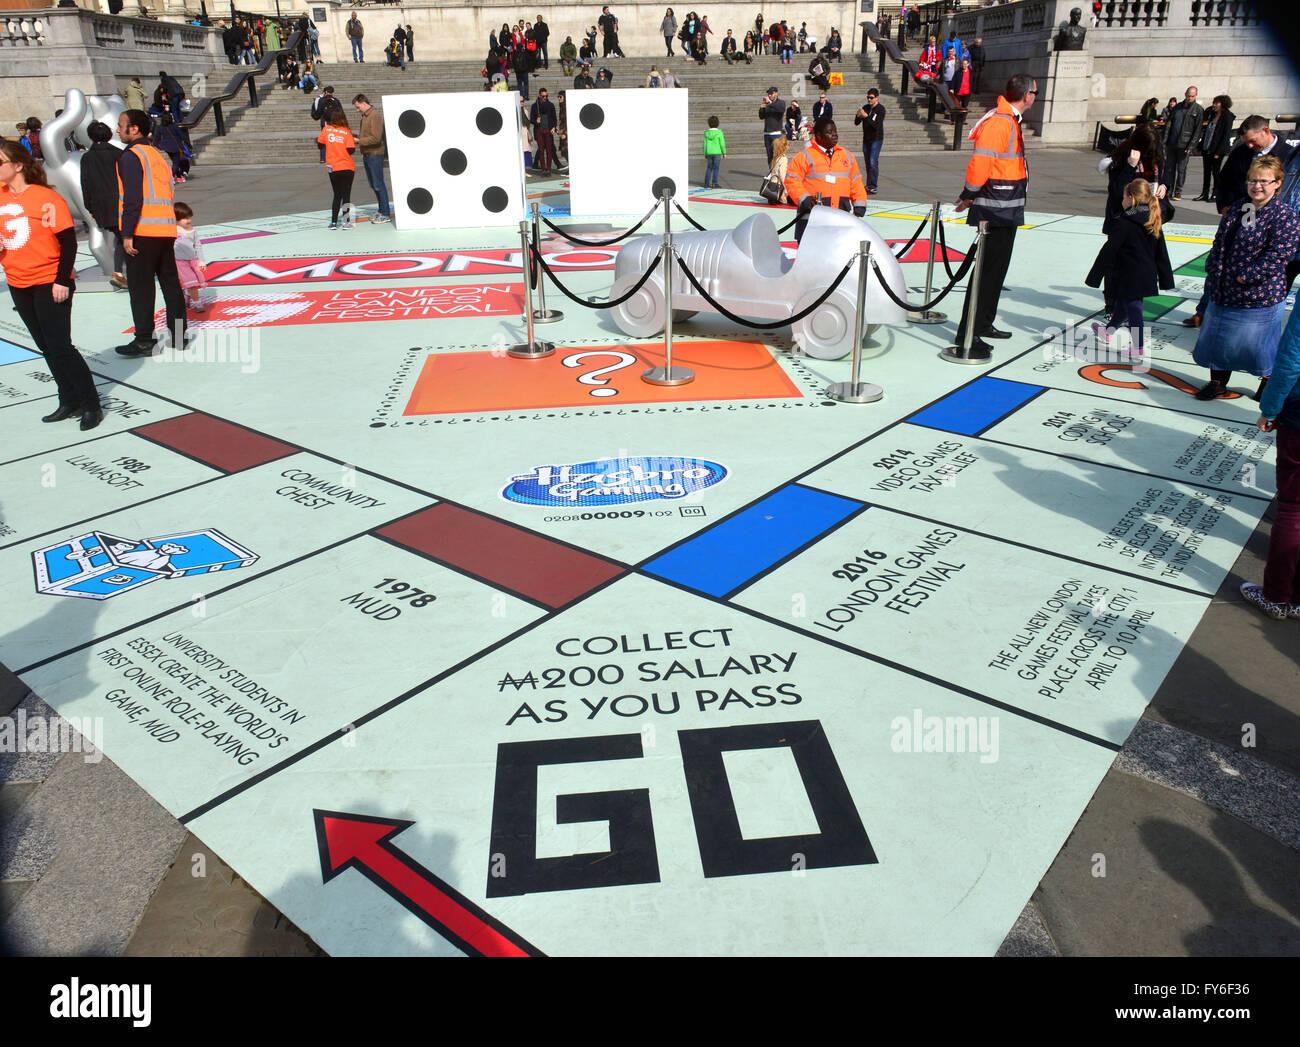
(456, 159)
(622, 143)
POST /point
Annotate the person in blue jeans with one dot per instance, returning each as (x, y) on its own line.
(370, 140)
(715, 148)
(356, 31)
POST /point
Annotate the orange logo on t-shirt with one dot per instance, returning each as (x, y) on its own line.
(29, 222)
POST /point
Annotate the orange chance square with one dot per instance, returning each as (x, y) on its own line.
(594, 376)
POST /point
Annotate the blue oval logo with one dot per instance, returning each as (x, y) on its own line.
(614, 481)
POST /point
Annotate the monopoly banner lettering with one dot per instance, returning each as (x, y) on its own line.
(389, 303)
(235, 272)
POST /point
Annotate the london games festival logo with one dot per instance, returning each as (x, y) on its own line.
(613, 481)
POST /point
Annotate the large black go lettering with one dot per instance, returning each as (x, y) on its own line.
(631, 858)
(841, 839)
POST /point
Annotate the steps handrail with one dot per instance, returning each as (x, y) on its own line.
(938, 91)
(246, 74)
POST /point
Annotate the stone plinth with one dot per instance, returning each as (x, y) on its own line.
(1063, 95)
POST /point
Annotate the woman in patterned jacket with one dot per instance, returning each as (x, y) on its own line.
(1246, 283)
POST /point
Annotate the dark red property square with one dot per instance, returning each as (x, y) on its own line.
(521, 562)
(222, 445)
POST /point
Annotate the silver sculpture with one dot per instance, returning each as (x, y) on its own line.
(63, 169)
(746, 270)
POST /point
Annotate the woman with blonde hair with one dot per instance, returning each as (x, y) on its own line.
(780, 163)
(1134, 263)
(1245, 282)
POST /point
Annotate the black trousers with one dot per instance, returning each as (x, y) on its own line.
(341, 183)
(1210, 183)
(998, 242)
(50, 325)
(155, 258)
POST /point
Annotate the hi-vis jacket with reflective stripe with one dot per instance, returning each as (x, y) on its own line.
(835, 177)
(144, 193)
(997, 177)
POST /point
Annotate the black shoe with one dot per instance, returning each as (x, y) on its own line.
(1258, 394)
(979, 349)
(135, 349)
(993, 332)
(90, 419)
(60, 413)
(1213, 391)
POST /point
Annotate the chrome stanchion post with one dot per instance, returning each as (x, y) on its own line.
(856, 392)
(541, 314)
(668, 374)
(964, 354)
(532, 349)
(930, 316)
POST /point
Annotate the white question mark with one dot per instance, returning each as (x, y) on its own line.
(594, 377)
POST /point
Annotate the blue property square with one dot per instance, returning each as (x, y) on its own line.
(15, 354)
(973, 408)
(727, 556)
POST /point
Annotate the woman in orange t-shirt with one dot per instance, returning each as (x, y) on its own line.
(37, 250)
(339, 145)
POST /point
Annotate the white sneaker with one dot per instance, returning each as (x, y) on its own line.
(1293, 610)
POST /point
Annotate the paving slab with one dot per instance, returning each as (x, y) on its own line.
(203, 908)
(114, 845)
(1180, 879)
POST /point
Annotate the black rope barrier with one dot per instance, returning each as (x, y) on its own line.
(598, 243)
(688, 217)
(768, 325)
(926, 306)
(943, 253)
(908, 246)
(597, 305)
(701, 228)
(532, 267)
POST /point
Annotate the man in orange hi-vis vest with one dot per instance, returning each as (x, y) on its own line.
(824, 172)
(148, 228)
(997, 185)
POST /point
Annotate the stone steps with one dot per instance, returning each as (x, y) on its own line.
(280, 130)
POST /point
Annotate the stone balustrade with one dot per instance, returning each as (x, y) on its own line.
(43, 53)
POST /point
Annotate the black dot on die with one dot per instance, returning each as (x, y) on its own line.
(420, 201)
(411, 123)
(592, 116)
(453, 162)
(488, 121)
(660, 184)
(495, 199)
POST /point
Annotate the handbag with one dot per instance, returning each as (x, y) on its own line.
(770, 189)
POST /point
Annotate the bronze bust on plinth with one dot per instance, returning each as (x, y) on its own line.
(1070, 35)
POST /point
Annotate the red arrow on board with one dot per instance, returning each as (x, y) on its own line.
(357, 841)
